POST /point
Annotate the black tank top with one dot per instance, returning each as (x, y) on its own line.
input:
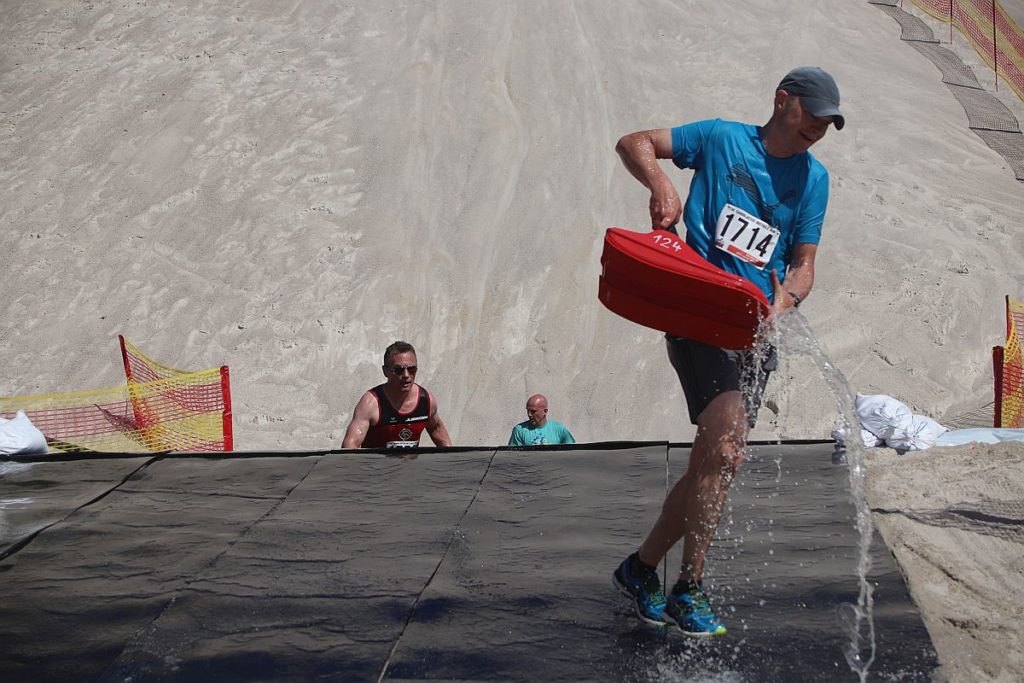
(395, 429)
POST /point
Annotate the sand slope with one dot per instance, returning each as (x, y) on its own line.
(288, 187)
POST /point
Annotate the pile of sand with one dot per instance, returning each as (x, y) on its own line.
(954, 519)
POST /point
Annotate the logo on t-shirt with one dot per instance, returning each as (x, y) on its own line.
(739, 175)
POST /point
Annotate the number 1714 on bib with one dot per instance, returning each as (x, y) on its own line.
(745, 236)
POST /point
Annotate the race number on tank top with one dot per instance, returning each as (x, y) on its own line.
(745, 236)
(404, 439)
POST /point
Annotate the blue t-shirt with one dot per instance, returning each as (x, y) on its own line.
(732, 166)
(525, 434)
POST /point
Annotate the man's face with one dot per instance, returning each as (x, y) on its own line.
(801, 129)
(537, 411)
(401, 370)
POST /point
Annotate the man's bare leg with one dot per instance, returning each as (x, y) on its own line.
(694, 505)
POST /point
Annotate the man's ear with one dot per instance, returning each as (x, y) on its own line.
(780, 99)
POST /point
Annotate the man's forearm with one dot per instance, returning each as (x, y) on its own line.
(641, 160)
(439, 435)
(800, 274)
(799, 281)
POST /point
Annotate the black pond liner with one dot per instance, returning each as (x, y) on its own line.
(461, 564)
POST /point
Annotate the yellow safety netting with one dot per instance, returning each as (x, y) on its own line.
(182, 411)
(141, 368)
(1010, 402)
(992, 32)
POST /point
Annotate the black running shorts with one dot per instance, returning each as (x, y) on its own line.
(707, 371)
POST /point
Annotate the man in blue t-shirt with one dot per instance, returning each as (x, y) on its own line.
(755, 207)
(538, 430)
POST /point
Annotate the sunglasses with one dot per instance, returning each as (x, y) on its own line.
(399, 369)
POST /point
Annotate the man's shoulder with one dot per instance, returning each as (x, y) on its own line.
(562, 428)
(555, 427)
(517, 437)
(719, 126)
(425, 394)
(817, 169)
(711, 134)
(559, 433)
(369, 404)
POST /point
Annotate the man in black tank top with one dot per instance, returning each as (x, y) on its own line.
(395, 414)
(395, 429)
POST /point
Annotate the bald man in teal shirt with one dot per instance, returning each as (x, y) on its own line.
(538, 430)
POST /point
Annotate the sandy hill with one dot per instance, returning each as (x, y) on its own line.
(287, 187)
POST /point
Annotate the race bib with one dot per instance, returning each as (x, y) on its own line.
(745, 236)
(404, 439)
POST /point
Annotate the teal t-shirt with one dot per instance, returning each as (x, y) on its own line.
(525, 434)
(732, 167)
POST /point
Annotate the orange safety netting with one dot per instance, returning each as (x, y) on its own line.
(1008, 362)
(991, 31)
(158, 409)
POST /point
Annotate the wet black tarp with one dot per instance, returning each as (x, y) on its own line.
(456, 565)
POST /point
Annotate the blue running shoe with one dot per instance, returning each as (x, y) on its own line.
(640, 583)
(689, 608)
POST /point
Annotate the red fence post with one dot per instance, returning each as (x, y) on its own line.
(225, 388)
(997, 385)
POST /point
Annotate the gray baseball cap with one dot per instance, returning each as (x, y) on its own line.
(817, 91)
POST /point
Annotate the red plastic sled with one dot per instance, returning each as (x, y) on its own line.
(655, 279)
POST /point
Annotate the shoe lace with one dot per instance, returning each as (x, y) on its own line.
(699, 602)
(651, 586)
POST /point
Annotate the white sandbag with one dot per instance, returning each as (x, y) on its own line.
(867, 438)
(18, 436)
(959, 437)
(884, 416)
(921, 435)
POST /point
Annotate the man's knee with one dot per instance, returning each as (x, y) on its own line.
(723, 429)
(726, 454)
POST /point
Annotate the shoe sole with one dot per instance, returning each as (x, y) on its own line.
(699, 634)
(625, 591)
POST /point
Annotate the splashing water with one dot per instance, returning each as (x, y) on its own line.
(792, 336)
